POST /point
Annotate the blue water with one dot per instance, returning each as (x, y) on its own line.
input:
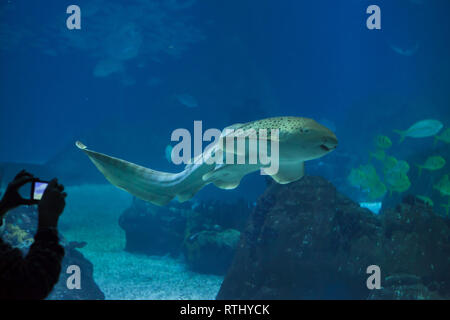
(117, 84)
(239, 60)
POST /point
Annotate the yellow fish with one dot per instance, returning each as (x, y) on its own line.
(426, 200)
(383, 142)
(379, 155)
(444, 137)
(300, 139)
(377, 190)
(389, 163)
(443, 186)
(402, 166)
(365, 177)
(397, 181)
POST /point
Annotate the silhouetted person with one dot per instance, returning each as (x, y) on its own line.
(32, 276)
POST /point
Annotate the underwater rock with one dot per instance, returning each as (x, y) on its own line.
(153, 230)
(211, 251)
(227, 215)
(212, 233)
(404, 287)
(305, 240)
(89, 289)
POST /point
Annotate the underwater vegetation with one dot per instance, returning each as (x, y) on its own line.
(16, 236)
(390, 175)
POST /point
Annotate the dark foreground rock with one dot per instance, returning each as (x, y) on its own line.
(305, 240)
(20, 228)
(89, 289)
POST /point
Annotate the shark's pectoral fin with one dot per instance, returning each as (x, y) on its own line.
(185, 196)
(289, 172)
(227, 184)
(223, 178)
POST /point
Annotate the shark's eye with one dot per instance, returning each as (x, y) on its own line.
(304, 130)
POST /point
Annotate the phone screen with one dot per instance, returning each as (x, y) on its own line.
(38, 189)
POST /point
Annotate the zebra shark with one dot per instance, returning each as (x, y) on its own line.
(299, 140)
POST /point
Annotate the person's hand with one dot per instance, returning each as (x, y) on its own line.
(51, 205)
(12, 199)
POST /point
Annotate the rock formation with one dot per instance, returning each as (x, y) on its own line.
(305, 240)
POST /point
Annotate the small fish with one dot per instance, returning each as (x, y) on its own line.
(168, 153)
(194, 236)
(432, 163)
(444, 137)
(426, 200)
(402, 166)
(406, 52)
(187, 100)
(383, 142)
(377, 190)
(397, 181)
(443, 186)
(389, 163)
(421, 129)
(379, 155)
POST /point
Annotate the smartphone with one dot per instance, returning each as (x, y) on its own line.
(37, 189)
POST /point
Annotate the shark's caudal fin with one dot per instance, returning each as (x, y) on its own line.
(402, 135)
(147, 184)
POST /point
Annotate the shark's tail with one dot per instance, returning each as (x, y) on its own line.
(147, 184)
(402, 135)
